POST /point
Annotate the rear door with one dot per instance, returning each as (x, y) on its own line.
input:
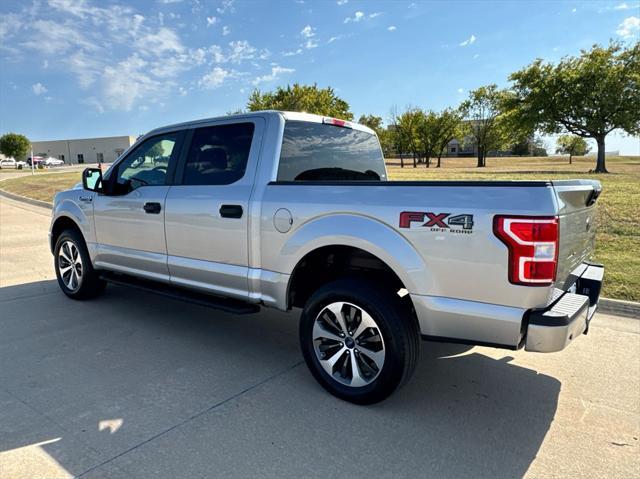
(129, 217)
(207, 213)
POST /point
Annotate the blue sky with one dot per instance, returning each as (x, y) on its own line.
(79, 68)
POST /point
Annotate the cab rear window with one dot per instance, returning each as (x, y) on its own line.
(320, 152)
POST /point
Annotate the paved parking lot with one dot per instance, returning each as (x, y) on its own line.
(133, 385)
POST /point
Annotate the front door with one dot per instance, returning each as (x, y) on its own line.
(129, 217)
(207, 210)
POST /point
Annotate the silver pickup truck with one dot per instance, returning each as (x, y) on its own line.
(292, 210)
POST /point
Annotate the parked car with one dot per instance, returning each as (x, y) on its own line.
(51, 161)
(292, 210)
(12, 163)
(37, 160)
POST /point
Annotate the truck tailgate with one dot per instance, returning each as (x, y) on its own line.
(577, 212)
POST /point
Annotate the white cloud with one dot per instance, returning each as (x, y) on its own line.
(125, 59)
(629, 27)
(241, 50)
(38, 89)
(311, 43)
(214, 78)
(356, 17)
(460, 90)
(227, 5)
(469, 41)
(622, 6)
(276, 71)
(336, 38)
(308, 32)
(93, 102)
(342, 2)
(375, 14)
(85, 68)
(9, 25)
(127, 82)
(292, 53)
(392, 28)
(51, 37)
(477, 55)
(164, 40)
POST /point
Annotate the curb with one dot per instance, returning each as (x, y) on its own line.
(618, 307)
(24, 199)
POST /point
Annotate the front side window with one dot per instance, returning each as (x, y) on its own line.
(147, 164)
(319, 152)
(218, 154)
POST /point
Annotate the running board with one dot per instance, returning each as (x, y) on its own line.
(228, 305)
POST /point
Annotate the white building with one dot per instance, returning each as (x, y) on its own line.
(88, 150)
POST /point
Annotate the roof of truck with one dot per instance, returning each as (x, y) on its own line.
(287, 115)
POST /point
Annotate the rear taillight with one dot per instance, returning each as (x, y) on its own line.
(533, 248)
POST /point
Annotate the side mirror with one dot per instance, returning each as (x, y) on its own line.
(92, 179)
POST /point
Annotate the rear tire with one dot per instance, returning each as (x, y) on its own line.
(76, 276)
(360, 342)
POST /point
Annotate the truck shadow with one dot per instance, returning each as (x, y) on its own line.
(107, 375)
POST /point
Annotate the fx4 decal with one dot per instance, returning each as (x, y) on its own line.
(437, 221)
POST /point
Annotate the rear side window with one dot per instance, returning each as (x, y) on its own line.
(319, 152)
(218, 154)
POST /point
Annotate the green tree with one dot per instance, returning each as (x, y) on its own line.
(372, 121)
(407, 128)
(427, 130)
(447, 127)
(304, 98)
(486, 124)
(588, 96)
(529, 146)
(572, 145)
(154, 151)
(15, 145)
(521, 147)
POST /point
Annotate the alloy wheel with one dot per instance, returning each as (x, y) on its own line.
(348, 344)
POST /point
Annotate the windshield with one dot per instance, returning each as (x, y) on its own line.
(319, 152)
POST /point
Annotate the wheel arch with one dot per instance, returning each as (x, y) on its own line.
(354, 243)
(60, 224)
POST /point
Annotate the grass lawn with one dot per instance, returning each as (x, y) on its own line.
(618, 242)
(41, 186)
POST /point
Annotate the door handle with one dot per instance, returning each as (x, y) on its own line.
(231, 211)
(152, 208)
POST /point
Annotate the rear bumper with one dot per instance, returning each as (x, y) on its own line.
(552, 329)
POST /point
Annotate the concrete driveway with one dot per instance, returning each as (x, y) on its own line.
(132, 385)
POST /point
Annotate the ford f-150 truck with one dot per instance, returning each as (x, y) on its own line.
(292, 210)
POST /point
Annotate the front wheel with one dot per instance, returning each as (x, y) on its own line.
(76, 276)
(359, 340)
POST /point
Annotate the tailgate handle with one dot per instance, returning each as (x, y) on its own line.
(231, 211)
